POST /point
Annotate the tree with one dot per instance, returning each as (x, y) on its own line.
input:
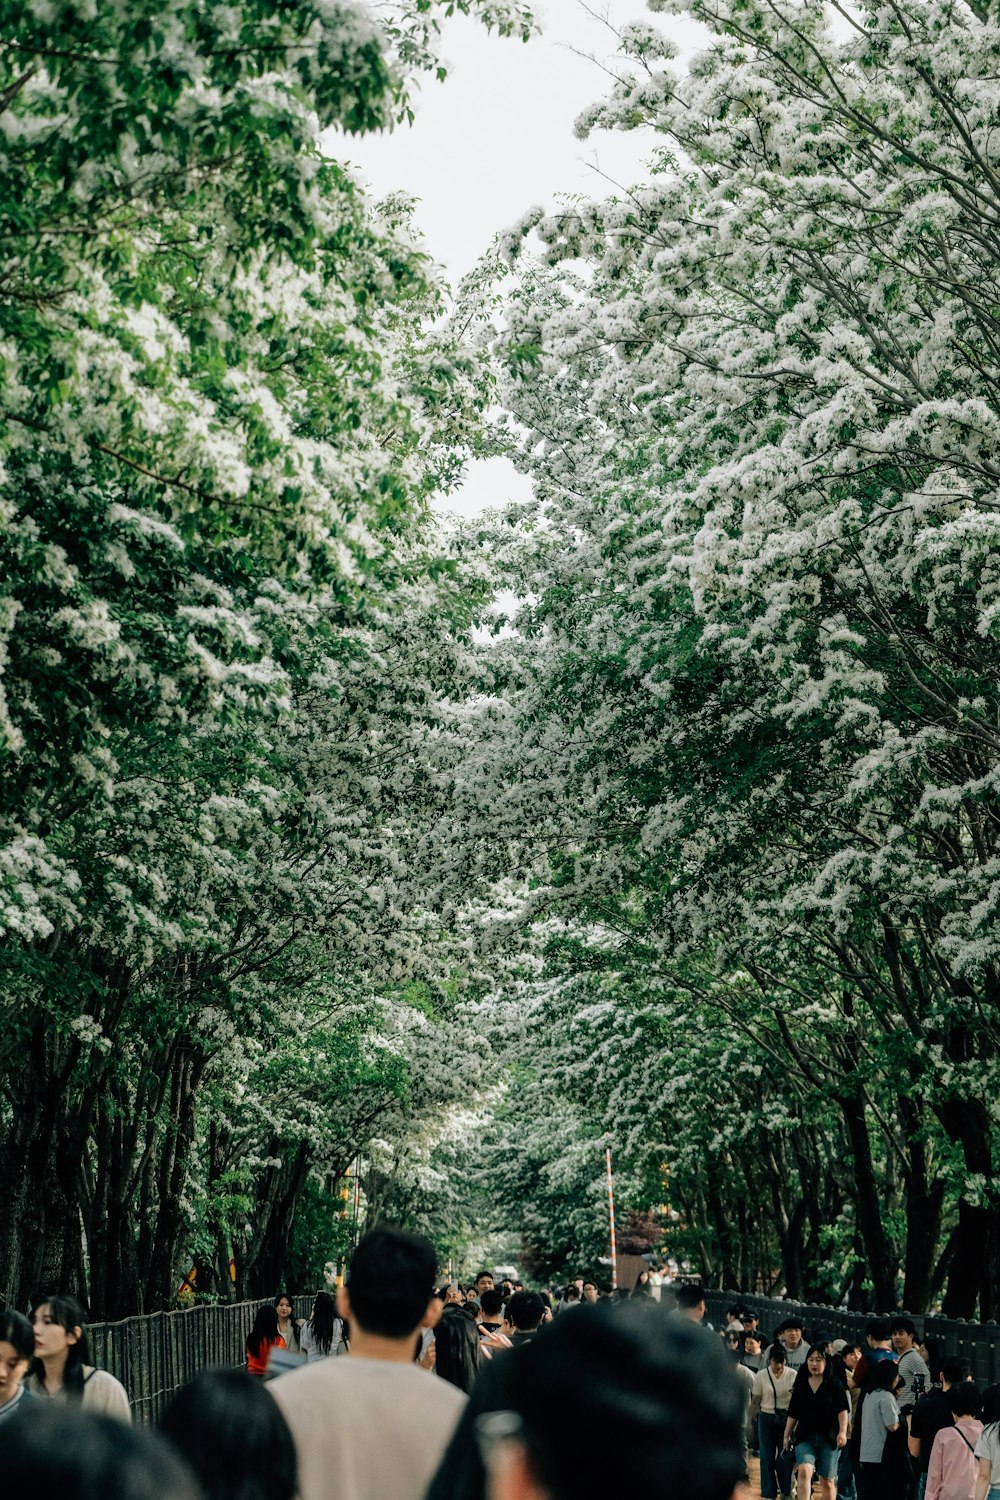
(753, 689)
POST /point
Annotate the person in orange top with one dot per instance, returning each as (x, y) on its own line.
(262, 1338)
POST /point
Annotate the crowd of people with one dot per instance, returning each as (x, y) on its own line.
(399, 1389)
(889, 1418)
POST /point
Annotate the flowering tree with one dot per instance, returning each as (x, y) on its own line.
(222, 628)
(754, 691)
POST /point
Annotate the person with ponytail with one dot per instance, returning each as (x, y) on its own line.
(60, 1370)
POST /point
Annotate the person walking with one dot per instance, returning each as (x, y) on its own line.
(289, 1325)
(769, 1397)
(373, 1425)
(952, 1472)
(17, 1348)
(817, 1419)
(880, 1417)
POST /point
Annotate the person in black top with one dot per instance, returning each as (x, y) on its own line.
(932, 1413)
(817, 1418)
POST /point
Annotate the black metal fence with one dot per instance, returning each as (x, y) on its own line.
(154, 1356)
(979, 1343)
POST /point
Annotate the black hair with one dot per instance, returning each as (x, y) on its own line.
(480, 1274)
(234, 1436)
(323, 1321)
(457, 1356)
(390, 1280)
(691, 1295)
(802, 1374)
(991, 1405)
(525, 1310)
(777, 1352)
(794, 1321)
(572, 1293)
(882, 1376)
(68, 1313)
(264, 1330)
(965, 1399)
(661, 1394)
(17, 1331)
(284, 1297)
(878, 1329)
(491, 1304)
(954, 1369)
(902, 1324)
(80, 1455)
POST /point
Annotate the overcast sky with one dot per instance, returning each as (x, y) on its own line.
(496, 137)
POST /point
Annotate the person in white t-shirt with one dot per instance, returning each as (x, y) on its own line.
(373, 1425)
(987, 1450)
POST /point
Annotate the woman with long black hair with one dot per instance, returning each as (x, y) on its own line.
(262, 1338)
(324, 1334)
(459, 1357)
(60, 1370)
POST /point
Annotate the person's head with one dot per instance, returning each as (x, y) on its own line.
(61, 1338)
(691, 1302)
(389, 1283)
(524, 1311)
(323, 1321)
(903, 1333)
(883, 1375)
(877, 1332)
(457, 1354)
(642, 1279)
(954, 1371)
(518, 1286)
(79, 1455)
(17, 1348)
(822, 1340)
(283, 1307)
(572, 1293)
(790, 1332)
(483, 1283)
(965, 1399)
(589, 1290)
(264, 1330)
(991, 1404)
(751, 1343)
(661, 1395)
(492, 1305)
(731, 1339)
(230, 1431)
(777, 1358)
(817, 1361)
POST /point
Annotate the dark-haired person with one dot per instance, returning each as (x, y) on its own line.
(817, 1419)
(524, 1316)
(492, 1309)
(458, 1357)
(953, 1466)
(988, 1448)
(73, 1454)
(483, 1283)
(589, 1291)
(655, 1396)
(878, 1348)
(373, 1426)
(909, 1361)
(262, 1338)
(17, 1348)
(323, 1334)
(880, 1417)
(226, 1427)
(289, 1326)
(691, 1304)
(789, 1335)
(60, 1370)
(769, 1397)
(933, 1412)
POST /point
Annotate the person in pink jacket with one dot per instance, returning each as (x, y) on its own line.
(952, 1471)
